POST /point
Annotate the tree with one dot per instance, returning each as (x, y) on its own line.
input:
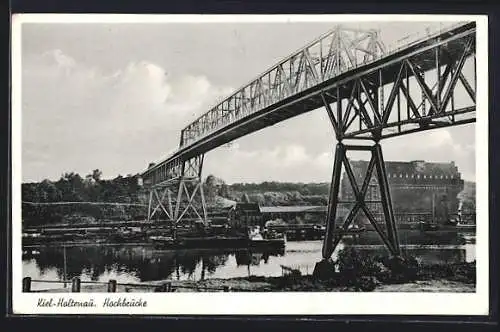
(96, 175)
(48, 192)
(224, 191)
(71, 186)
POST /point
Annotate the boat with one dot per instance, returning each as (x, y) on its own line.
(162, 240)
(469, 229)
(214, 242)
(126, 236)
(300, 232)
(256, 240)
(421, 233)
(444, 230)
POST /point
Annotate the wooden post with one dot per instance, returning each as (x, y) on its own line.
(65, 269)
(27, 284)
(112, 286)
(164, 288)
(75, 285)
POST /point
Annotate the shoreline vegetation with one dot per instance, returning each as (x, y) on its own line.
(132, 199)
(358, 271)
(75, 199)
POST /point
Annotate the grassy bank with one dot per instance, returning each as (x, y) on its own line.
(443, 278)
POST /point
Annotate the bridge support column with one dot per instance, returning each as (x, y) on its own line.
(190, 202)
(180, 198)
(334, 232)
(157, 197)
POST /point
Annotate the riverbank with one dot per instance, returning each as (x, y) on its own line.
(431, 278)
(306, 285)
(265, 285)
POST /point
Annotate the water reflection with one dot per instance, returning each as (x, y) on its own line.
(144, 264)
(137, 264)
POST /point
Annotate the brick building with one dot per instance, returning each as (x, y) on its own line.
(417, 188)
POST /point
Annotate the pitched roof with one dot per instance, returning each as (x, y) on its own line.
(291, 209)
(412, 167)
(248, 207)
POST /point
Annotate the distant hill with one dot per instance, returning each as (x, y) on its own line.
(72, 187)
(267, 193)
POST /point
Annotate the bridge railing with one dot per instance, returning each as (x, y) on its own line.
(313, 64)
(415, 38)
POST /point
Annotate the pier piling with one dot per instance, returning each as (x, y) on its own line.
(75, 285)
(27, 284)
(112, 286)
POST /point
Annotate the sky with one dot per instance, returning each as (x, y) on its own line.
(115, 97)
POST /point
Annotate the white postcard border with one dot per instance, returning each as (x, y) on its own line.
(263, 303)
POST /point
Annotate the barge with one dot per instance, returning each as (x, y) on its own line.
(216, 242)
(158, 238)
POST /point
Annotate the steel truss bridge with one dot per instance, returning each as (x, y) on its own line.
(369, 93)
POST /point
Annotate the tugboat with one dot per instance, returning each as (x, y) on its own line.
(126, 235)
(162, 241)
(257, 240)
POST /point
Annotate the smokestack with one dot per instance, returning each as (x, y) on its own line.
(460, 198)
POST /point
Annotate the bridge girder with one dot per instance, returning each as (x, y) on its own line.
(421, 95)
(363, 98)
(332, 54)
(369, 94)
(393, 94)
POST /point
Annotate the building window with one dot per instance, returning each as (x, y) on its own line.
(400, 175)
(412, 176)
(418, 176)
(451, 177)
(441, 176)
(425, 176)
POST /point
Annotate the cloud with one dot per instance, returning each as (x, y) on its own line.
(76, 118)
(441, 145)
(284, 162)
(269, 157)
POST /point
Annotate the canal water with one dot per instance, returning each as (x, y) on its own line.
(133, 264)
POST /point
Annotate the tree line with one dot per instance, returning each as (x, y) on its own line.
(304, 189)
(73, 187)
